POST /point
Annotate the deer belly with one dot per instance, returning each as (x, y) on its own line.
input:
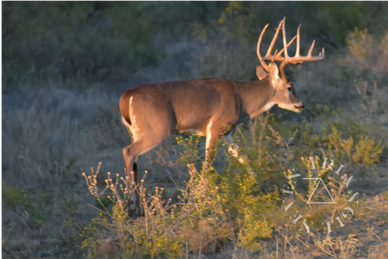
(191, 131)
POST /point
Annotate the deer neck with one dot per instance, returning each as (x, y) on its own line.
(257, 97)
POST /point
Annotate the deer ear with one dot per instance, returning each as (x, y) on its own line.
(273, 71)
(260, 72)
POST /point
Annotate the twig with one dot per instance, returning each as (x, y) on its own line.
(386, 247)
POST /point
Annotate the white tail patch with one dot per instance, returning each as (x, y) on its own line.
(134, 128)
(131, 115)
(126, 124)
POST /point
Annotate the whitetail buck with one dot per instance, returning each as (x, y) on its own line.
(208, 107)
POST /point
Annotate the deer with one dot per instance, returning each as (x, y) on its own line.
(209, 107)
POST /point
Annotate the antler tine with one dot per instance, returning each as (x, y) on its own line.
(268, 54)
(274, 56)
(311, 49)
(297, 58)
(263, 64)
(286, 57)
(278, 58)
(298, 41)
(284, 39)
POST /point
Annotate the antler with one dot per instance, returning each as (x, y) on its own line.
(286, 59)
(268, 55)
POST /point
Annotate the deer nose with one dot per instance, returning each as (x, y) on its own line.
(299, 106)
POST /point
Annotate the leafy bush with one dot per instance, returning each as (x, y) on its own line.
(240, 204)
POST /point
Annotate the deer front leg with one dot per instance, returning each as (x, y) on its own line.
(212, 135)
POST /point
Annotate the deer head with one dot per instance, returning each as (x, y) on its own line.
(285, 96)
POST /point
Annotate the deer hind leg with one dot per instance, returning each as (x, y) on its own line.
(136, 193)
(131, 177)
(130, 153)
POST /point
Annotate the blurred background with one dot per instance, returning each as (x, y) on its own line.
(66, 64)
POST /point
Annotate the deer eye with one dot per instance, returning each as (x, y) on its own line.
(289, 89)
